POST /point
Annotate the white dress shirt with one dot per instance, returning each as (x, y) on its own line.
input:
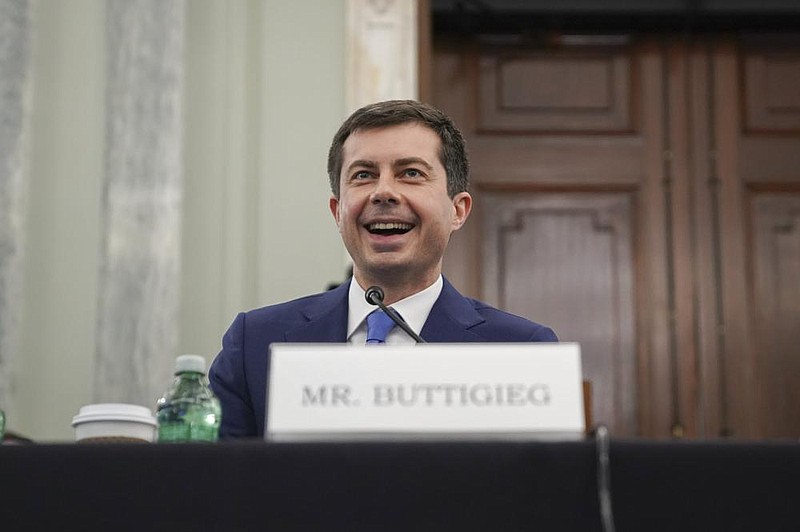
(414, 309)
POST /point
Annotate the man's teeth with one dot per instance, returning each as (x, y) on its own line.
(396, 226)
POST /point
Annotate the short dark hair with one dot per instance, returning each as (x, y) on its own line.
(452, 154)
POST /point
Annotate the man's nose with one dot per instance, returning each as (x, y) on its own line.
(385, 190)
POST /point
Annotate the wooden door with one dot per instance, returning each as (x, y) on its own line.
(600, 211)
(756, 141)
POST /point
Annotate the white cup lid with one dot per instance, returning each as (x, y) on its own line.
(114, 412)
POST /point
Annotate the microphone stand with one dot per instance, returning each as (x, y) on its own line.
(374, 296)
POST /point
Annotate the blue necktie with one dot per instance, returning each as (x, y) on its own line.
(378, 326)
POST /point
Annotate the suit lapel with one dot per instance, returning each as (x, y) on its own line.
(325, 318)
(451, 318)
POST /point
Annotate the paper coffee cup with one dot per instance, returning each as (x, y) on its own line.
(114, 422)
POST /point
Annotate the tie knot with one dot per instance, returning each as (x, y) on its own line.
(378, 326)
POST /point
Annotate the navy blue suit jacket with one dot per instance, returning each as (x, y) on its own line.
(239, 373)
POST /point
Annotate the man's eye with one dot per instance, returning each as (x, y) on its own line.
(361, 175)
(411, 172)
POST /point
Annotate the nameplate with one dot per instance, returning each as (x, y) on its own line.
(335, 391)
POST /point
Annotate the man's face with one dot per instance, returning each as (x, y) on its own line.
(393, 210)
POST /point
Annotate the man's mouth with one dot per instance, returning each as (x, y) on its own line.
(389, 228)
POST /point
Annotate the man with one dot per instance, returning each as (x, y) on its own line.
(399, 173)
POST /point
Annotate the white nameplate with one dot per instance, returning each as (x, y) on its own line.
(334, 391)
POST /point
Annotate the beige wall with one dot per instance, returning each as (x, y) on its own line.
(264, 94)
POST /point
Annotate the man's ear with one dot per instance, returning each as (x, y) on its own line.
(462, 206)
(333, 205)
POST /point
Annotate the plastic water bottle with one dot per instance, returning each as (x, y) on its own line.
(189, 410)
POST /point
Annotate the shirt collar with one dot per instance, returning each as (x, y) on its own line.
(414, 309)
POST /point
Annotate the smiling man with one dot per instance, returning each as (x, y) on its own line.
(393, 208)
(399, 174)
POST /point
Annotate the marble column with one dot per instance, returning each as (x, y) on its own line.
(15, 29)
(139, 283)
(381, 51)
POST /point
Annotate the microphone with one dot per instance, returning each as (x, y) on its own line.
(374, 296)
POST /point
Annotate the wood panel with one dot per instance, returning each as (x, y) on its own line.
(676, 193)
(769, 160)
(558, 161)
(598, 176)
(565, 259)
(654, 318)
(769, 172)
(759, 184)
(701, 180)
(776, 270)
(565, 91)
(772, 89)
(712, 404)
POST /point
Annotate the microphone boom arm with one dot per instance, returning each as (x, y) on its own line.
(374, 296)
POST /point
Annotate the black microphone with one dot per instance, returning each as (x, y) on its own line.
(374, 296)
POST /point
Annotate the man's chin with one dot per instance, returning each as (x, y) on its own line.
(388, 269)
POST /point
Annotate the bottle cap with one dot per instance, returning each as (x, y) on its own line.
(194, 363)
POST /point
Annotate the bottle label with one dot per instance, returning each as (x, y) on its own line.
(194, 424)
(186, 432)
